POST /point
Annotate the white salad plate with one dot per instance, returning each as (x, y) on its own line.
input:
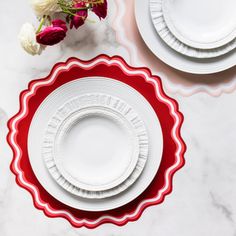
(159, 20)
(204, 24)
(85, 133)
(169, 55)
(90, 135)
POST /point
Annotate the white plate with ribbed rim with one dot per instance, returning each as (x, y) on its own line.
(204, 24)
(169, 55)
(78, 88)
(160, 24)
(95, 146)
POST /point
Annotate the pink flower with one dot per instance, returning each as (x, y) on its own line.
(51, 35)
(100, 9)
(80, 17)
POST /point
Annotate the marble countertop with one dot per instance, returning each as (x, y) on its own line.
(203, 201)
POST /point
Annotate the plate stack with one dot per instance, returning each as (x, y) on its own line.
(193, 36)
(96, 141)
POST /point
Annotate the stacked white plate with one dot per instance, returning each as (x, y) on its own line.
(193, 36)
(96, 146)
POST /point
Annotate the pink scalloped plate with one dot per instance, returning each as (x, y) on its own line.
(174, 81)
(145, 83)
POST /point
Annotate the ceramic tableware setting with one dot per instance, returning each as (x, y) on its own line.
(96, 141)
(199, 24)
(99, 141)
(193, 36)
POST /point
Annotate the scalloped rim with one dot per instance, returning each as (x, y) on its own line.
(101, 59)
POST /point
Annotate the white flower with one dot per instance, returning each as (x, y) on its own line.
(28, 41)
(45, 7)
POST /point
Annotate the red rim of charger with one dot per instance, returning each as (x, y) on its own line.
(144, 82)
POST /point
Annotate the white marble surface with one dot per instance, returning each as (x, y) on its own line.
(203, 201)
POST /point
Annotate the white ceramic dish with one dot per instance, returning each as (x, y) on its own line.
(204, 24)
(77, 88)
(159, 22)
(95, 146)
(170, 56)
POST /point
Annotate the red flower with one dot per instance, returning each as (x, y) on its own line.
(80, 17)
(100, 9)
(51, 35)
(60, 23)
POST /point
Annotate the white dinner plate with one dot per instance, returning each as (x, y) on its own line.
(169, 55)
(159, 22)
(77, 88)
(95, 146)
(201, 24)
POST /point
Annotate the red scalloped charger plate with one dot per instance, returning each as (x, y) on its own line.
(116, 68)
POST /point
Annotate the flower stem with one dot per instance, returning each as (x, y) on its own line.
(68, 7)
(94, 2)
(68, 12)
(78, 8)
(41, 25)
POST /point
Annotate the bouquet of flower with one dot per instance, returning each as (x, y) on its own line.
(53, 26)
